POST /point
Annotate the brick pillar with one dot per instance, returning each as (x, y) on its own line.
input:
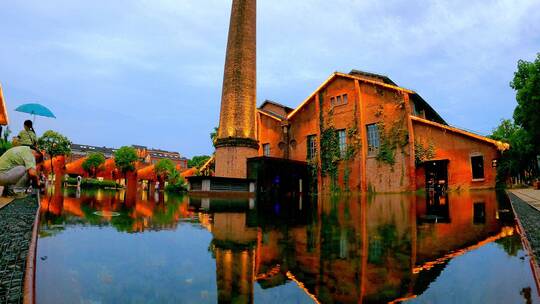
(59, 168)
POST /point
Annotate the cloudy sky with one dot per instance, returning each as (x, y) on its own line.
(149, 72)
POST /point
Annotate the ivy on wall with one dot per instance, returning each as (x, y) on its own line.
(423, 152)
(393, 137)
(330, 154)
(313, 171)
(329, 146)
(354, 144)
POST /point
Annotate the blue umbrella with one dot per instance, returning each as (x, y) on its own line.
(35, 109)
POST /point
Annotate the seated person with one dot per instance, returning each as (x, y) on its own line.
(18, 167)
(27, 137)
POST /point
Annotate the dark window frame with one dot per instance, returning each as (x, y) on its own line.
(342, 135)
(339, 100)
(265, 146)
(373, 139)
(311, 146)
(477, 167)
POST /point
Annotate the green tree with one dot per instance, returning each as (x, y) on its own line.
(519, 161)
(93, 162)
(176, 181)
(125, 159)
(213, 135)
(526, 82)
(54, 144)
(5, 144)
(164, 167)
(198, 161)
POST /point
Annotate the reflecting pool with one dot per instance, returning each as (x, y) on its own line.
(111, 247)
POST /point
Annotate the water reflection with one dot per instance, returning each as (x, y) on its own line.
(334, 249)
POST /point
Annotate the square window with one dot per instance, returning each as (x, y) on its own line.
(477, 166)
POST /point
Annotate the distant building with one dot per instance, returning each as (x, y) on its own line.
(154, 156)
(148, 156)
(79, 151)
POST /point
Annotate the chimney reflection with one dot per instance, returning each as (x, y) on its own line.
(233, 245)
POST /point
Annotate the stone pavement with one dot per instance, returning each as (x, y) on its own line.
(16, 223)
(530, 196)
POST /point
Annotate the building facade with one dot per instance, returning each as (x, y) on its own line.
(362, 132)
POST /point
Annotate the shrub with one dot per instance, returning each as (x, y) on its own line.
(92, 183)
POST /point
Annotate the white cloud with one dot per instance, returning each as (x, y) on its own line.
(148, 54)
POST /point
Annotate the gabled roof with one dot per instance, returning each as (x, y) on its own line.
(279, 115)
(287, 109)
(430, 111)
(498, 144)
(383, 78)
(338, 74)
(271, 114)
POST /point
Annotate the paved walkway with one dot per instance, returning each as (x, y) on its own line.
(16, 223)
(525, 205)
(530, 196)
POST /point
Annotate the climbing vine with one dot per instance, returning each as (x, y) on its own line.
(330, 153)
(353, 146)
(423, 152)
(313, 171)
(393, 137)
(396, 137)
(329, 145)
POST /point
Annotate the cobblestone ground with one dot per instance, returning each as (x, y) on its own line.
(16, 221)
(530, 219)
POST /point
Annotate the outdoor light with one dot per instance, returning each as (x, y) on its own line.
(494, 163)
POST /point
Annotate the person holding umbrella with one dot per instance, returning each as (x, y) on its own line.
(27, 137)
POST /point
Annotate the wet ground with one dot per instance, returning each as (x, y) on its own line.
(103, 247)
(16, 222)
(530, 219)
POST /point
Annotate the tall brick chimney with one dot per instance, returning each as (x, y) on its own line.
(237, 135)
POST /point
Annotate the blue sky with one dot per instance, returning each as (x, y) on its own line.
(149, 72)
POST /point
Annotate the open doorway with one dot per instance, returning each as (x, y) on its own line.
(437, 204)
(436, 176)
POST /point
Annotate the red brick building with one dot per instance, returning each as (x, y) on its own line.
(376, 136)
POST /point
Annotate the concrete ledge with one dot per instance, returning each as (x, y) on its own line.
(523, 211)
(225, 185)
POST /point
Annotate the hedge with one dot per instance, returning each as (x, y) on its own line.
(92, 183)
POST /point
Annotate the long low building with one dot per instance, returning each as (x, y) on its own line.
(363, 132)
(148, 156)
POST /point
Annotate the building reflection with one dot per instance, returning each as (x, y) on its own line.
(350, 248)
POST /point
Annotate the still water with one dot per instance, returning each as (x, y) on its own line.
(109, 247)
